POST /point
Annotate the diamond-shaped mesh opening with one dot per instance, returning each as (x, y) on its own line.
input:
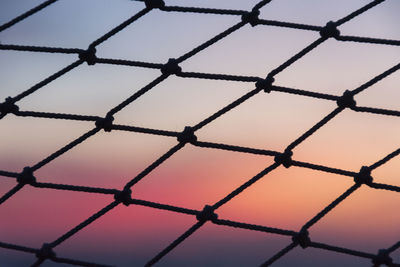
(114, 246)
(354, 231)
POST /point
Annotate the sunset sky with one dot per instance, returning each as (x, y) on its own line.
(368, 220)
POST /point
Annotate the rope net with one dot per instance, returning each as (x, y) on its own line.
(187, 137)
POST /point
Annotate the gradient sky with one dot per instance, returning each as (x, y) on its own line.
(286, 198)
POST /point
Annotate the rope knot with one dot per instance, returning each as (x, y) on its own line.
(45, 252)
(26, 176)
(8, 106)
(382, 258)
(154, 3)
(302, 238)
(329, 30)
(187, 135)
(364, 176)
(265, 84)
(105, 123)
(89, 56)
(284, 158)
(207, 214)
(251, 17)
(171, 67)
(123, 196)
(346, 100)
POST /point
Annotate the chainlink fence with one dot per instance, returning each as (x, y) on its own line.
(188, 135)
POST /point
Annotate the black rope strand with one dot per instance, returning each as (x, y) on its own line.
(26, 14)
(175, 243)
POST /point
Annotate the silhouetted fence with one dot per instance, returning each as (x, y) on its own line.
(187, 136)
